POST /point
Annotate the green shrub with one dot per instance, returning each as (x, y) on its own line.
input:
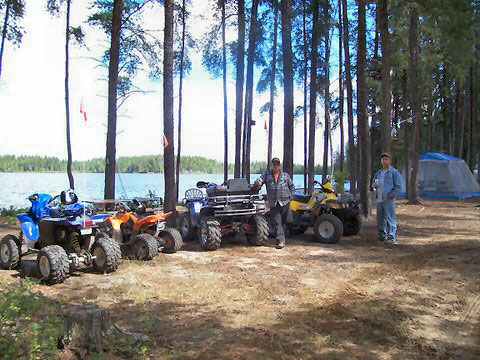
(29, 326)
(340, 177)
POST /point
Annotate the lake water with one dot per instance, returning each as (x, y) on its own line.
(16, 187)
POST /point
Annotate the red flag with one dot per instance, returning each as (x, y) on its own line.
(82, 111)
(265, 127)
(165, 142)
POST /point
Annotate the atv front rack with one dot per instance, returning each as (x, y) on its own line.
(233, 205)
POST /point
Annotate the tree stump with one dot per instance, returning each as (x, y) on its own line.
(89, 329)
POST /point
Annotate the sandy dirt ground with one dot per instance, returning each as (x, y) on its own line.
(418, 299)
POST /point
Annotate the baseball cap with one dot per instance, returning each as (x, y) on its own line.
(275, 159)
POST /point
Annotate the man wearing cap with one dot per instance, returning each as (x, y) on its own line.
(280, 189)
(387, 182)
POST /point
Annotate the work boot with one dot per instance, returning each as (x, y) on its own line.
(280, 244)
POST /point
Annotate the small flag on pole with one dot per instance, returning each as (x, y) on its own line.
(165, 142)
(265, 126)
(82, 111)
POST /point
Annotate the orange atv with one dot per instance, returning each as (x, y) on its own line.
(141, 235)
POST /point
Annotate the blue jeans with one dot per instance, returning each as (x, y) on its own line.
(386, 216)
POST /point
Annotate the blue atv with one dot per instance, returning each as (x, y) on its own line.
(63, 237)
(223, 211)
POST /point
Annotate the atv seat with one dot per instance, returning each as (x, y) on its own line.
(301, 198)
(233, 187)
(55, 213)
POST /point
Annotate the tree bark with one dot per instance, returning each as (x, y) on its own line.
(168, 152)
(4, 34)
(414, 101)
(471, 152)
(406, 132)
(288, 86)
(89, 329)
(313, 96)
(305, 94)
(67, 100)
(458, 121)
(239, 86)
(326, 7)
(225, 104)
(249, 90)
(112, 100)
(272, 86)
(180, 100)
(386, 97)
(362, 109)
(429, 140)
(340, 87)
(352, 158)
(445, 134)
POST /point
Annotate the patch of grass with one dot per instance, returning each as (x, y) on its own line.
(28, 325)
(131, 349)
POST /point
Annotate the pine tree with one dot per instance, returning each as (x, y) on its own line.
(313, 95)
(168, 153)
(363, 134)
(12, 29)
(286, 9)
(415, 104)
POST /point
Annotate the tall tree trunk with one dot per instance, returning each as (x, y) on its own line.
(414, 101)
(4, 33)
(386, 97)
(239, 86)
(286, 8)
(305, 66)
(471, 136)
(249, 90)
(313, 96)
(272, 85)
(67, 101)
(225, 104)
(458, 121)
(168, 151)
(352, 156)
(406, 132)
(428, 143)
(326, 9)
(362, 109)
(466, 136)
(340, 87)
(445, 135)
(374, 74)
(396, 110)
(112, 100)
(330, 144)
(180, 98)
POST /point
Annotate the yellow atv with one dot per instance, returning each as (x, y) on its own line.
(330, 216)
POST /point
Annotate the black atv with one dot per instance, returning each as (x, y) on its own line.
(224, 211)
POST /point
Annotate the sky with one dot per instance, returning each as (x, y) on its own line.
(32, 104)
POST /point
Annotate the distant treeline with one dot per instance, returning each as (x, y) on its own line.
(135, 164)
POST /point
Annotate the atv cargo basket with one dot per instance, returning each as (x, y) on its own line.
(235, 199)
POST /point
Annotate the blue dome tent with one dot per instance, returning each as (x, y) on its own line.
(442, 176)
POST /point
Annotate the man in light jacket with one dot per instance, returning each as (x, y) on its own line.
(387, 182)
